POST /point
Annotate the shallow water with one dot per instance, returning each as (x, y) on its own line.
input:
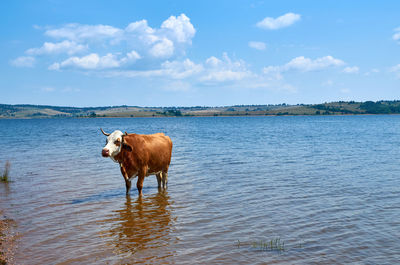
(328, 187)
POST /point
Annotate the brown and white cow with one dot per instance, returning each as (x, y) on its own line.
(139, 156)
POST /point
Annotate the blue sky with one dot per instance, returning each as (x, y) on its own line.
(190, 53)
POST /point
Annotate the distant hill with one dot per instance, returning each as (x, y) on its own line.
(334, 108)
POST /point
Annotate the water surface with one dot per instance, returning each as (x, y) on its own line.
(328, 187)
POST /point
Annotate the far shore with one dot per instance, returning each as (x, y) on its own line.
(198, 116)
(24, 111)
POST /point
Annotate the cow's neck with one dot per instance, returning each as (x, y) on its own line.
(119, 158)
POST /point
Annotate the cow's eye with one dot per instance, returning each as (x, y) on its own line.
(117, 142)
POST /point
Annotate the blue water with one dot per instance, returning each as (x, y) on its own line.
(327, 186)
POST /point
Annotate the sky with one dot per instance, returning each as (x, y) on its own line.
(198, 53)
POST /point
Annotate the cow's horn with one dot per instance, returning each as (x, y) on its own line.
(106, 134)
(126, 133)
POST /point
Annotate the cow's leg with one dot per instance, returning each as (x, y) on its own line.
(165, 179)
(139, 183)
(159, 178)
(128, 183)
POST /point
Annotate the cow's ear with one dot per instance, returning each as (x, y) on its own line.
(127, 147)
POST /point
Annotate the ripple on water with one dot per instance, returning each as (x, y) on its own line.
(328, 187)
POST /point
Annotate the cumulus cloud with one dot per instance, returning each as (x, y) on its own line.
(273, 72)
(154, 45)
(23, 61)
(181, 69)
(93, 61)
(257, 45)
(221, 71)
(168, 69)
(79, 32)
(280, 22)
(351, 70)
(89, 62)
(213, 70)
(131, 57)
(301, 64)
(225, 69)
(213, 62)
(162, 49)
(69, 47)
(304, 64)
(179, 28)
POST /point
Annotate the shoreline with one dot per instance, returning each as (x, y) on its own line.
(203, 116)
(26, 111)
(8, 238)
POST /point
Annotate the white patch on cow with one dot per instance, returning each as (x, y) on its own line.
(111, 146)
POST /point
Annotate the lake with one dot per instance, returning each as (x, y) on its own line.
(326, 187)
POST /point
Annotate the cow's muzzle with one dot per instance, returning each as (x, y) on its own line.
(105, 153)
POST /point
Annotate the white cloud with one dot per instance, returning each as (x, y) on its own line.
(395, 69)
(131, 57)
(182, 75)
(181, 69)
(372, 71)
(351, 70)
(140, 27)
(69, 47)
(257, 45)
(304, 64)
(214, 70)
(225, 75)
(79, 32)
(162, 49)
(153, 44)
(23, 61)
(180, 28)
(272, 72)
(213, 62)
(301, 64)
(169, 70)
(89, 62)
(396, 36)
(48, 89)
(279, 22)
(225, 70)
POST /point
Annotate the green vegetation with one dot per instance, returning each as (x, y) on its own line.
(332, 108)
(171, 112)
(381, 107)
(5, 176)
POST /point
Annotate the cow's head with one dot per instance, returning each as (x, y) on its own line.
(114, 144)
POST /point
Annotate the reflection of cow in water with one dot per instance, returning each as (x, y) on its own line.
(139, 155)
(143, 228)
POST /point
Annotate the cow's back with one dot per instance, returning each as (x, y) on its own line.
(154, 150)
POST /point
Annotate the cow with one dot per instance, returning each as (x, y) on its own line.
(139, 156)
